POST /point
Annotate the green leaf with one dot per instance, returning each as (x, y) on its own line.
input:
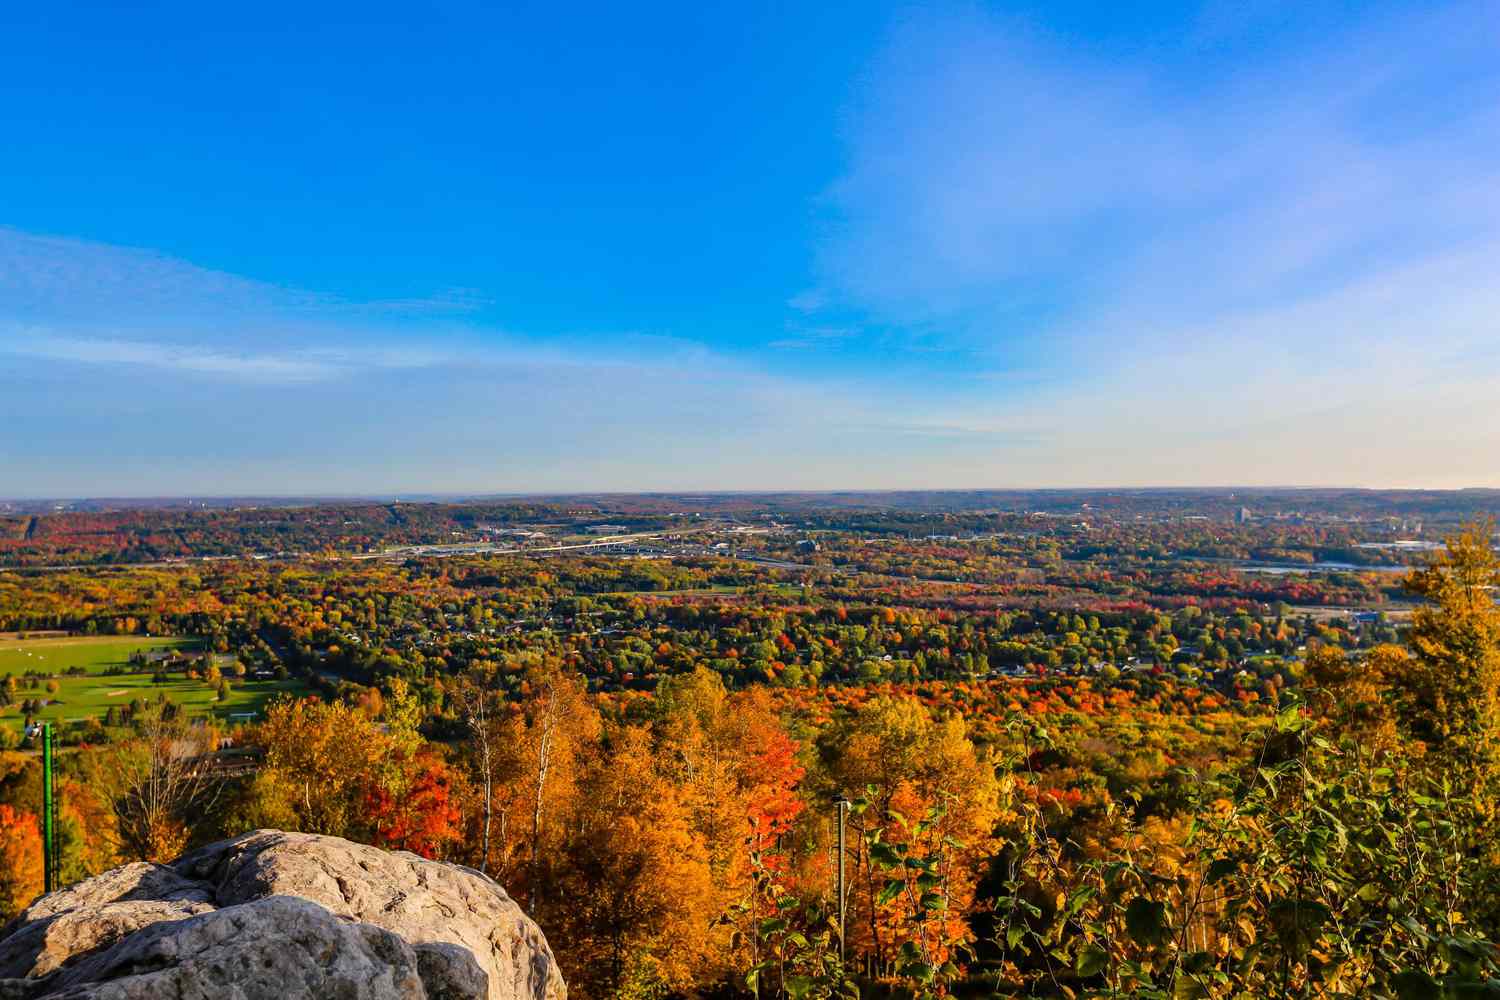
(1091, 961)
(920, 971)
(1298, 922)
(1188, 988)
(1416, 985)
(1013, 936)
(797, 987)
(1146, 920)
(1079, 898)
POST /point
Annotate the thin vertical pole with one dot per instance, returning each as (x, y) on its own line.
(843, 807)
(48, 848)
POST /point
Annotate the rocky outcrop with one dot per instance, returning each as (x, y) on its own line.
(280, 916)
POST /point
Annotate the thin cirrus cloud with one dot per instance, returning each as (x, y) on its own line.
(236, 360)
(80, 302)
(1211, 265)
(1025, 197)
(83, 281)
(313, 366)
(1208, 261)
(159, 376)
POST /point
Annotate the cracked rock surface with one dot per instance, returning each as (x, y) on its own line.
(279, 916)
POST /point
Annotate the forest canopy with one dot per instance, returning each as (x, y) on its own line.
(1042, 787)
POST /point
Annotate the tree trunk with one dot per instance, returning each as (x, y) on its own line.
(544, 756)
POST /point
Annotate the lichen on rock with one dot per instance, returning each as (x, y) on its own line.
(279, 916)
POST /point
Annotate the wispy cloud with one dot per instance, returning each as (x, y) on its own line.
(81, 302)
(80, 280)
(1194, 268)
(1215, 260)
(1005, 188)
(310, 365)
(255, 367)
(61, 278)
(212, 382)
(804, 337)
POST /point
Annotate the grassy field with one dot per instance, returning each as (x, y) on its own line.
(717, 588)
(93, 653)
(80, 698)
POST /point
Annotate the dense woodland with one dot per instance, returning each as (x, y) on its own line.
(1076, 752)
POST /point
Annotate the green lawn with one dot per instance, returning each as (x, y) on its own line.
(80, 698)
(93, 653)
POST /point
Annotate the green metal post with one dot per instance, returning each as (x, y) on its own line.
(48, 848)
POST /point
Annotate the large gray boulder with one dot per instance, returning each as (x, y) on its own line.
(262, 950)
(279, 916)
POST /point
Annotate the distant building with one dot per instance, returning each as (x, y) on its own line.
(606, 529)
(1244, 516)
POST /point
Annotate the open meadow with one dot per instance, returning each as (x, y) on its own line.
(81, 698)
(94, 653)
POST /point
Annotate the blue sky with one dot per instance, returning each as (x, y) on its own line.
(470, 247)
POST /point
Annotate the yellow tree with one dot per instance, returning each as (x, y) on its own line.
(403, 713)
(20, 860)
(696, 751)
(635, 893)
(737, 774)
(320, 760)
(1449, 692)
(491, 758)
(88, 836)
(929, 791)
(156, 783)
(1348, 694)
(554, 733)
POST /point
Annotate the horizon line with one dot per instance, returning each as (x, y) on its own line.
(416, 496)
